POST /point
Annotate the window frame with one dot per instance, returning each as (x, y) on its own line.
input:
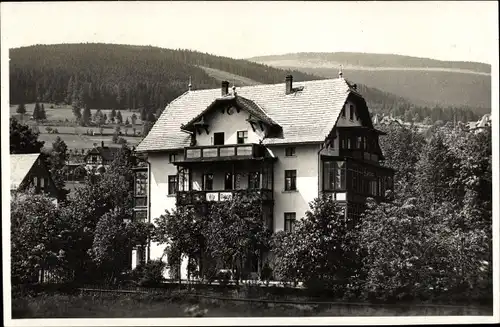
(351, 112)
(250, 185)
(172, 157)
(204, 182)
(173, 180)
(291, 175)
(290, 151)
(243, 138)
(289, 219)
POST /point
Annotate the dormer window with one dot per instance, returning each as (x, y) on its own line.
(351, 112)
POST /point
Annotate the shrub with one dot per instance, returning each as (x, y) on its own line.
(149, 274)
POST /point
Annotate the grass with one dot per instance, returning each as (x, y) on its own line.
(178, 305)
(63, 112)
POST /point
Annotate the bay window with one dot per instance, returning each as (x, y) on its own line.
(334, 175)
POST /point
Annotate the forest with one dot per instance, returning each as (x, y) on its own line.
(108, 76)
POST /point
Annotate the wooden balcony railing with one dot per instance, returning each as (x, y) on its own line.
(194, 197)
(223, 152)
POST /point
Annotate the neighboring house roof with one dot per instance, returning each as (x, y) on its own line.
(307, 115)
(107, 153)
(20, 165)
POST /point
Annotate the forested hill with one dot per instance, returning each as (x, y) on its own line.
(121, 76)
(124, 76)
(107, 76)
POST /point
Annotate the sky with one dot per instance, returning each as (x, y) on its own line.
(458, 31)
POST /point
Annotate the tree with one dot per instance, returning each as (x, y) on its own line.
(144, 114)
(21, 109)
(36, 111)
(86, 116)
(105, 118)
(402, 147)
(23, 139)
(320, 250)
(182, 230)
(56, 161)
(146, 127)
(151, 117)
(127, 122)
(77, 113)
(119, 117)
(134, 119)
(42, 113)
(427, 121)
(38, 237)
(113, 115)
(235, 231)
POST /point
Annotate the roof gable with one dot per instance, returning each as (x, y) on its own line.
(20, 166)
(307, 115)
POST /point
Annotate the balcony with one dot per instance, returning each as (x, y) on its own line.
(199, 197)
(223, 153)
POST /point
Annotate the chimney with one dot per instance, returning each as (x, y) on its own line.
(102, 144)
(224, 88)
(288, 82)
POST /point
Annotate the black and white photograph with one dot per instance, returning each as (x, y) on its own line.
(250, 162)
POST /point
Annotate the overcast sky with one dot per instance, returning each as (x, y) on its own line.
(465, 31)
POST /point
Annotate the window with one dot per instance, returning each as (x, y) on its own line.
(228, 181)
(290, 180)
(35, 181)
(42, 183)
(289, 221)
(334, 175)
(343, 112)
(219, 138)
(141, 255)
(94, 159)
(351, 112)
(253, 180)
(208, 182)
(141, 183)
(171, 158)
(242, 137)
(172, 184)
(290, 151)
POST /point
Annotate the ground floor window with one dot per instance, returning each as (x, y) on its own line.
(289, 221)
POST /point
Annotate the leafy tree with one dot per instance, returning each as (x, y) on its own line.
(151, 117)
(182, 230)
(113, 114)
(23, 139)
(320, 250)
(235, 231)
(38, 236)
(427, 121)
(105, 117)
(134, 119)
(144, 114)
(127, 122)
(56, 161)
(77, 113)
(402, 147)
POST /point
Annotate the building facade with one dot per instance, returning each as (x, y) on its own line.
(287, 143)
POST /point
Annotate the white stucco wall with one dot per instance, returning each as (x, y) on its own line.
(160, 200)
(305, 162)
(229, 125)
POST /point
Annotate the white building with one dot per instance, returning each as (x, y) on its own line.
(288, 141)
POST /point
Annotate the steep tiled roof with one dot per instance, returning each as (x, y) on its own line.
(20, 165)
(107, 153)
(305, 116)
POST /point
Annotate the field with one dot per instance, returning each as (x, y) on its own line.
(156, 306)
(61, 117)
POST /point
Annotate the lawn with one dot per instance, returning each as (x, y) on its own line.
(172, 305)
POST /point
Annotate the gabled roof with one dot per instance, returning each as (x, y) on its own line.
(107, 153)
(305, 116)
(247, 104)
(20, 165)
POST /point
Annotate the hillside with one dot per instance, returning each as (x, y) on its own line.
(424, 82)
(110, 76)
